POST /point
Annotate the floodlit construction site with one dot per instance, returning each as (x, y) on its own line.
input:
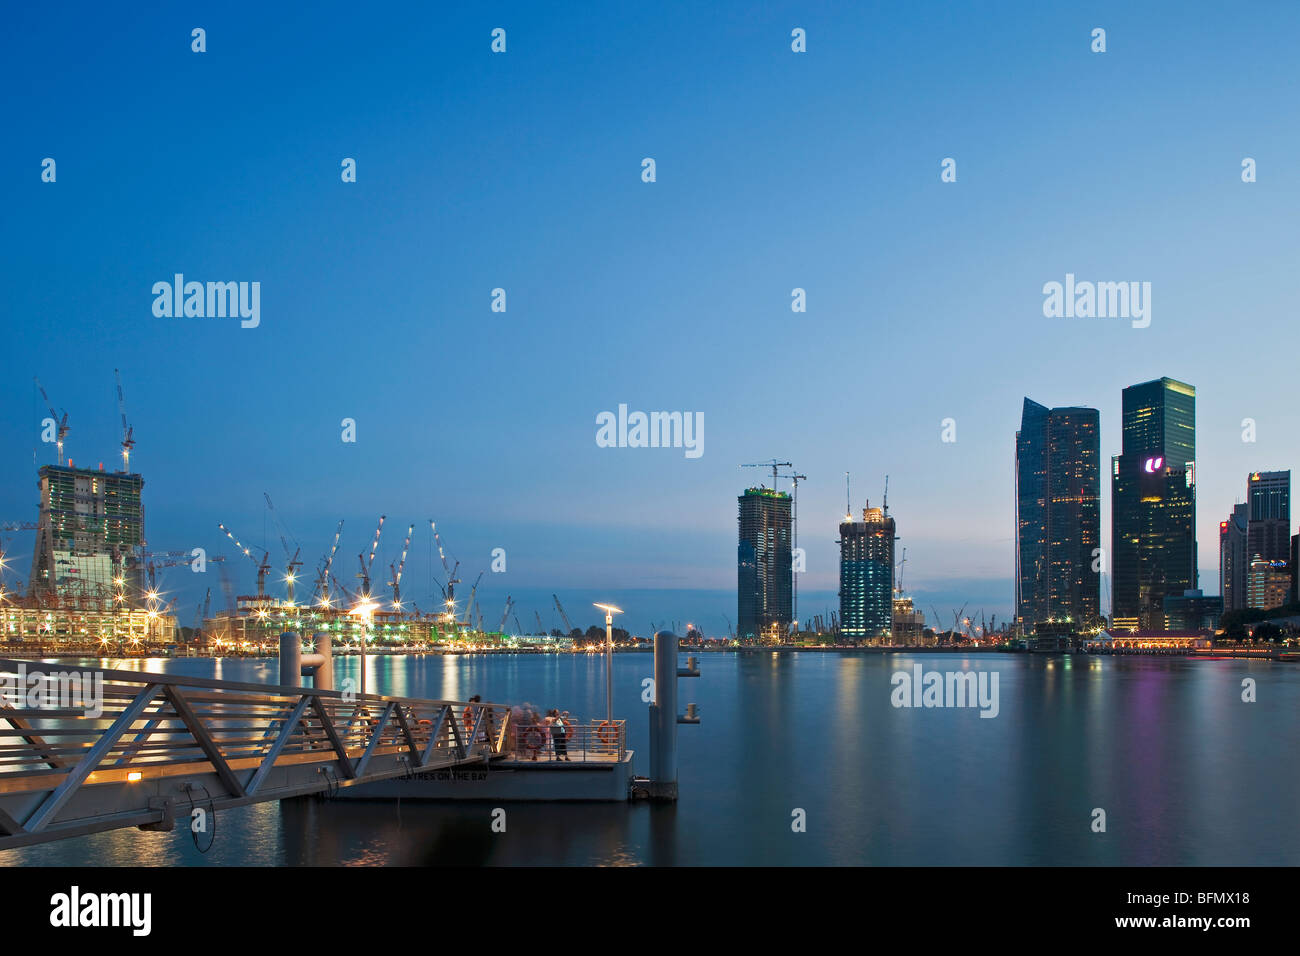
(93, 583)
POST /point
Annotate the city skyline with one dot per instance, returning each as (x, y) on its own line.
(358, 324)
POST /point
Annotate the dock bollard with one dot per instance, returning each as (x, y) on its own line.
(295, 665)
(664, 718)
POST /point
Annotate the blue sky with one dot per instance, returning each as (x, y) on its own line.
(521, 170)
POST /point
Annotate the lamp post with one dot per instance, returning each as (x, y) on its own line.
(365, 609)
(610, 611)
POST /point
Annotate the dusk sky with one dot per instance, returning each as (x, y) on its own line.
(775, 170)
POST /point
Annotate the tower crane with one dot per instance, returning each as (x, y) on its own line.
(263, 566)
(449, 591)
(290, 572)
(128, 433)
(323, 577)
(365, 565)
(569, 628)
(773, 464)
(61, 423)
(469, 608)
(396, 581)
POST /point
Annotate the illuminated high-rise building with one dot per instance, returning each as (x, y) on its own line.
(866, 575)
(1058, 515)
(1153, 503)
(1234, 562)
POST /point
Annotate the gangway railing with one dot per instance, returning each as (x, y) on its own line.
(595, 740)
(84, 749)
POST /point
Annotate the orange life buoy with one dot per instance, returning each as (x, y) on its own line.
(467, 718)
(606, 733)
(534, 738)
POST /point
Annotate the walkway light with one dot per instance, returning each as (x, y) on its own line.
(610, 611)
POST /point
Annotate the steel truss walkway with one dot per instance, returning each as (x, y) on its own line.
(84, 750)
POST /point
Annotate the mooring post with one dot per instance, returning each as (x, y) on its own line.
(290, 660)
(664, 718)
(295, 665)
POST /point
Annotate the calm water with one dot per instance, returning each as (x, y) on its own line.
(1186, 772)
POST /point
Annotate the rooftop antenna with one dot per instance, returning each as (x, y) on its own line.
(848, 499)
(886, 509)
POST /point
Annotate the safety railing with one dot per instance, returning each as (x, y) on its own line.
(574, 741)
(65, 728)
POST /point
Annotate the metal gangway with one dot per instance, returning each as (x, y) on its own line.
(83, 750)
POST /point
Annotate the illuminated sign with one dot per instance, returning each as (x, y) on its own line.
(1153, 465)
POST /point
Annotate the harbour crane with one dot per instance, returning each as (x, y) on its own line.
(263, 566)
(396, 581)
(519, 628)
(569, 628)
(956, 618)
(60, 423)
(540, 628)
(128, 433)
(505, 615)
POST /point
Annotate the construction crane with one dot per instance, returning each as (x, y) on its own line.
(128, 433)
(291, 568)
(323, 577)
(794, 543)
(449, 591)
(956, 618)
(396, 581)
(365, 565)
(773, 464)
(519, 628)
(60, 423)
(505, 615)
(541, 629)
(263, 566)
(469, 608)
(201, 615)
(898, 588)
(569, 628)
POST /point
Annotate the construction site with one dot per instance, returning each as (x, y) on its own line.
(93, 584)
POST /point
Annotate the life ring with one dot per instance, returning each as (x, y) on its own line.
(534, 738)
(467, 718)
(606, 733)
(426, 723)
(569, 731)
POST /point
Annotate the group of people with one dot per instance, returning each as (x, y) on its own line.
(549, 734)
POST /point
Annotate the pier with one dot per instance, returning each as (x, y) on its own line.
(83, 750)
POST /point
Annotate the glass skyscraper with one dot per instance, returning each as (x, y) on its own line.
(764, 566)
(1153, 503)
(1058, 515)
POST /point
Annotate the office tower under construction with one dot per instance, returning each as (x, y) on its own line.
(90, 537)
(867, 575)
(764, 567)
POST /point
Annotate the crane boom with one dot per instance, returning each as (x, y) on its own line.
(563, 617)
(60, 423)
(128, 433)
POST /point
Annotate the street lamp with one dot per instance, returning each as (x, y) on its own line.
(610, 611)
(365, 609)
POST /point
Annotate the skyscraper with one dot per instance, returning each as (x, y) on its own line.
(764, 571)
(866, 575)
(1233, 559)
(1058, 514)
(1153, 503)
